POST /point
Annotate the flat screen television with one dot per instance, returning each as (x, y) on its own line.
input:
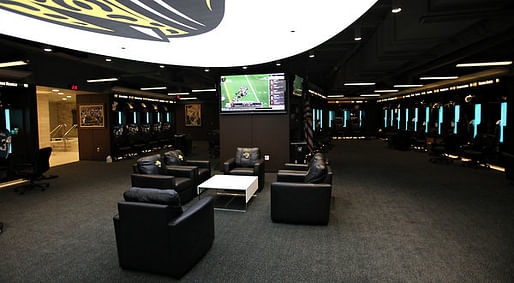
(261, 93)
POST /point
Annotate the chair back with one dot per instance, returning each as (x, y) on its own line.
(174, 157)
(144, 233)
(42, 160)
(150, 164)
(247, 156)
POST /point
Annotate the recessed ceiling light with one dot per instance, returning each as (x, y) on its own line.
(358, 38)
(206, 70)
(312, 56)
(47, 49)
(386, 90)
(244, 67)
(485, 64)
(407, 85)
(396, 10)
(188, 98)
(12, 64)
(64, 98)
(153, 88)
(55, 90)
(349, 84)
(278, 64)
(60, 93)
(335, 96)
(108, 59)
(370, 95)
(161, 66)
(440, 78)
(68, 96)
(102, 80)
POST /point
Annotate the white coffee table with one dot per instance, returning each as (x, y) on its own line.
(232, 185)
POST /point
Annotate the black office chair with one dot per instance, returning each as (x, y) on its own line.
(35, 170)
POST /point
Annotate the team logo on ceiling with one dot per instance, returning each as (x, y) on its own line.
(140, 19)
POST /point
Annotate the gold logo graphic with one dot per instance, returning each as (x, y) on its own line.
(140, 19)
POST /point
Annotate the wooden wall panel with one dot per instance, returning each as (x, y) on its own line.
(270, 132)
(43, 116)
(95, 143)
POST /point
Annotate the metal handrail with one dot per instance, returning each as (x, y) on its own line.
(69, 130)
(56, 128)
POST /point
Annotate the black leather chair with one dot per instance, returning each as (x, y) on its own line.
(303, 167)
(247, 162)
(176, 158)
(153, 233)
(302, 198)
(151, 172)
(35, 170)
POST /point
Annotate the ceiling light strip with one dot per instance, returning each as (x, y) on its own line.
(485, 64)
(358, 84)
(102, 80)
(153, 88)
(12, 64)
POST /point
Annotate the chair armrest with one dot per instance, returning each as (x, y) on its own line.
(162, 182)
(181, 171)
(291, 176)
(258, 167)
(192, 234)
(205, 206)
(298, 167)
(229, 165)
(199, 163)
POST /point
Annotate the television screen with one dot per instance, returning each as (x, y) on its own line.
(253, 93)
(297, 86)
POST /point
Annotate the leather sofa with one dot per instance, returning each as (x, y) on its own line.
(151, 172)
(176, 158)
(303, 197)
(247, 162)
(154, 234)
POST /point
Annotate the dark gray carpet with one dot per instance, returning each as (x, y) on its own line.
(395, 217)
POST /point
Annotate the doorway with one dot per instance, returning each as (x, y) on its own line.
(57, 124)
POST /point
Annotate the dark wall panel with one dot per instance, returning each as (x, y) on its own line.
(209, 121)
(269, 132)
(94, 143)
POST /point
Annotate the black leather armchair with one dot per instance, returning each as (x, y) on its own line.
(150, 172)
(153, 233)
(303, 167)
(247, 162)
(302, 198)
(176, 158)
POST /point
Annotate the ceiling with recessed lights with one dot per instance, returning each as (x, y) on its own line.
(427, 38)
(208, 33)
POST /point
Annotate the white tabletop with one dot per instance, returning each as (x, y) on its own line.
(228, 182)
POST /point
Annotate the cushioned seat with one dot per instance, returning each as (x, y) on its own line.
(302, 197)
(182, 183)
(150, 172)
(154, 234)
(176, 158)
(247, 162)
(241, 171)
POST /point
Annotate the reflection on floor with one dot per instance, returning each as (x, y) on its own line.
(64, 152)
